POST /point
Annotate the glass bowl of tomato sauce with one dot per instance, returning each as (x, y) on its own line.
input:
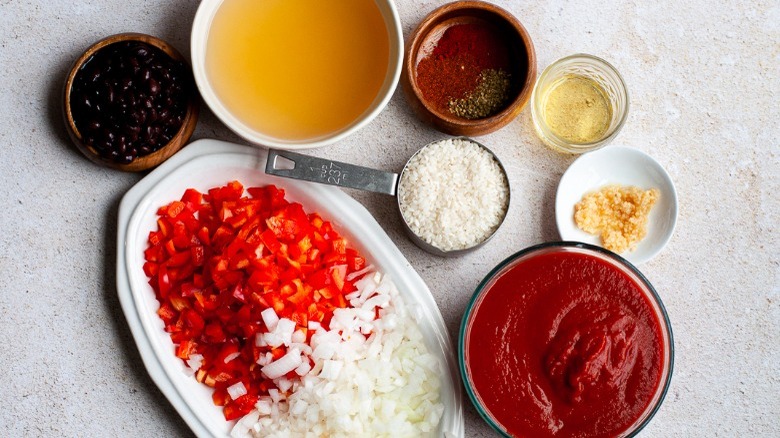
(566, 339)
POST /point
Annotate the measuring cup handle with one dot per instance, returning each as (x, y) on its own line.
(330, 172)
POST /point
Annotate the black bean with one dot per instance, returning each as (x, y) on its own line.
(110, 94)
(154, 87)
(94, 75)
(129, 100)
(141, 52)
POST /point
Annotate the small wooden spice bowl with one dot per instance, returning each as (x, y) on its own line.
(141, 162)
(521, 55)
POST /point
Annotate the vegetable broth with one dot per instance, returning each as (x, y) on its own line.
(297, 69)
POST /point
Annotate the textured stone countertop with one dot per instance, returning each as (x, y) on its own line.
(704, 79)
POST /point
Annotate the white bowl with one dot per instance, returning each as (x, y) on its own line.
(199, 38)
(209, 163)
(627, 167)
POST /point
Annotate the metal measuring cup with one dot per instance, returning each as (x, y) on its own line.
(324, 171)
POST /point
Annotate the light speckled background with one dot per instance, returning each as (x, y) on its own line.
(704, 79)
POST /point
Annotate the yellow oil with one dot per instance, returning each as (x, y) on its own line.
(577, 109)
(297, 69)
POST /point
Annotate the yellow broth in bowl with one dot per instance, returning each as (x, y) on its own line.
(297, 69)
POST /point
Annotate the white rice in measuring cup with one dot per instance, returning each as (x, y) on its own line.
(453, 194)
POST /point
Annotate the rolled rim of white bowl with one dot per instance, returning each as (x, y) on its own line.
(198, 42)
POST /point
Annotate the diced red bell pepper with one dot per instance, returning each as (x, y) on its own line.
(239, 407)
(217, 260)
(185, 349)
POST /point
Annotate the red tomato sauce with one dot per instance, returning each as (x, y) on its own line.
(565, 344)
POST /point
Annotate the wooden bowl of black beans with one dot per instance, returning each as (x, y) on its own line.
(130, 102)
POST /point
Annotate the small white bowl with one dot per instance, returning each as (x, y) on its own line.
(627, 167)
(199, 39)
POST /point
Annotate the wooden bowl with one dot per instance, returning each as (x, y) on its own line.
(144, 162)
(522, 56)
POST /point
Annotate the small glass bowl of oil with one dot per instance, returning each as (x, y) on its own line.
(579, 104)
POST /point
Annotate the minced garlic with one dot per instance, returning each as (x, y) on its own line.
(619, 214)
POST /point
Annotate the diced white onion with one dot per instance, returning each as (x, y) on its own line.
(376, 301)
(299, 407)
(284, 384)
(298, 336)
(285, 328)
(366, 376)
(195, 361)
(331, 369)
(275, 396)
(236, 390)
(270, 318)
(263, 405)
(356, 274)
(272, 340)
(283, 365)
(303, 369)
(232, 356)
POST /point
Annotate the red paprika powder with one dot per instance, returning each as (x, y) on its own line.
(454, 69)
